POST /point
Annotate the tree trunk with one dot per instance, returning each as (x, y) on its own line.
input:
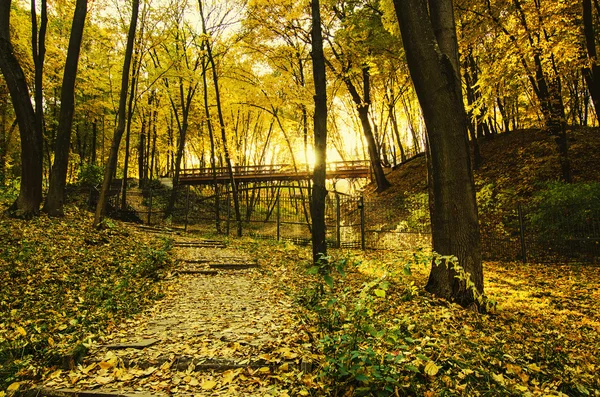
(319, 244)
(94, 139)
(211, 134)
(38, 47)
(131, 104)
(114, 149)
(453, 209)
(362, 106)
(27, 204)
(234, 187)
(58, 177)
(592, 71)
(142, 154)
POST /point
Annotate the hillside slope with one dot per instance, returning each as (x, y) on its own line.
(518, 162)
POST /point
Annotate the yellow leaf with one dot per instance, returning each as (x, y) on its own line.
(50, 341)
(194, 382)
(228, 376)
(284, 367)
(14, 386)
(534, 367)
(498, 378)
(264, 370)
(105, 364)
(303, 392)
(21, 330)
(431, 369)
(89, 368)
(103, 380)
(166, 365)
(2, 394)
(208, 385)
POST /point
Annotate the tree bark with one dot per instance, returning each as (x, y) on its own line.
(28, 202)
(114, 149)
(319, 192)
(453, 209)
(592, 71)
(58, 177)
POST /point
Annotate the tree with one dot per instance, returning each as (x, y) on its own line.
(58, 177)
(30, 194)
(114, 149)
(367, 22)
(591, 71)
(319, 192)
(211, 60)
(435, 73)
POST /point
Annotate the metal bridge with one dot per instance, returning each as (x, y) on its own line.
(273, 172)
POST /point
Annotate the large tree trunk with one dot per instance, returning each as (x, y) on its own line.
(114, 149)
(319, 192)
(58, 177)
(434, 71)
(30, 193)
(592, 71)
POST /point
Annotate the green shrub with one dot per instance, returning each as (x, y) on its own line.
(90, 175)
(563, 210)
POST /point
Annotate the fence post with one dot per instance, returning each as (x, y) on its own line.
(150, 209)
(187, 208)
(361, 206)
(228, 211)
(522, 234)
(278, 217)
(338, 220)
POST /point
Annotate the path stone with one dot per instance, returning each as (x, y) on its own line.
(229, 334)
(133, 345)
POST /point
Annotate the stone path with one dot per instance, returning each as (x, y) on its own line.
(222, 329)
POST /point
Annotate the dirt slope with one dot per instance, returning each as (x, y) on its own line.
(519, 161)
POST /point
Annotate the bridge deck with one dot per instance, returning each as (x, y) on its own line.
(274, 172)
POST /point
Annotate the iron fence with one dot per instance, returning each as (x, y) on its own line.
(283, 213)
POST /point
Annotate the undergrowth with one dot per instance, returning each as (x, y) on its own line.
(379, 333)
(63, 282)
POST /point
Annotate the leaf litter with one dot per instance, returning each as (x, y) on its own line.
(233, 333)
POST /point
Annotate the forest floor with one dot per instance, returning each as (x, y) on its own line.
(131, 311)
(261, 324)
(222, 328)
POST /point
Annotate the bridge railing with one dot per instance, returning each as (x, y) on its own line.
(273, 169)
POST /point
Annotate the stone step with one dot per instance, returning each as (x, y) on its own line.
(199, 244)
(233, 266)
(47, 392)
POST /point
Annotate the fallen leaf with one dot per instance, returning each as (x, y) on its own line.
(103, 380)
(431, 369)
(13, 386)
(228, 376)
(208, 384)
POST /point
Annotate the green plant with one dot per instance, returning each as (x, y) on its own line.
(562, 210)
(10, 190)
(90, 175)
(363, 352)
